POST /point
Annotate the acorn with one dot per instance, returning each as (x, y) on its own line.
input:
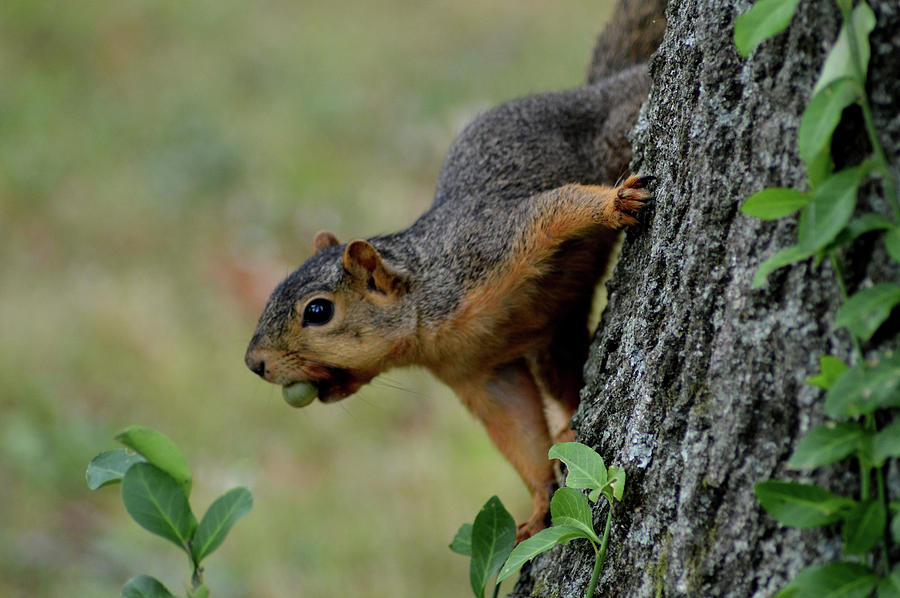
(299, 394)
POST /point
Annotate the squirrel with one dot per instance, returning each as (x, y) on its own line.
(490, 288)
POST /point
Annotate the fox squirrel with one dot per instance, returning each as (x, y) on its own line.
(489, 289)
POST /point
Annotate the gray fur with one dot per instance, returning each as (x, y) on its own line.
(496, 164)
(322, 272)
(506, 157)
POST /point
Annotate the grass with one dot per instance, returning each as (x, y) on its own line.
(162, 164)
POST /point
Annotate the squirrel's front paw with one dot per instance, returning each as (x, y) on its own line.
(630, 198)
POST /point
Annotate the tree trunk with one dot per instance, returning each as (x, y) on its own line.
(695, 381)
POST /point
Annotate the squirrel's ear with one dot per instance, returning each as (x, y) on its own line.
(324, 240)
(366, 267)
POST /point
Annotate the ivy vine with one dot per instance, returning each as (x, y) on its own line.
(827, 223)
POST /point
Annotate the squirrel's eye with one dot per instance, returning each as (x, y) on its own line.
(318, 312)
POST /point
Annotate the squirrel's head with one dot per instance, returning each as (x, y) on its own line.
(336, 322)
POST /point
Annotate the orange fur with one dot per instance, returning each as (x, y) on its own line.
(520, 338)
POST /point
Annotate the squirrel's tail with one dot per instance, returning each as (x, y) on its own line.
(632, 34)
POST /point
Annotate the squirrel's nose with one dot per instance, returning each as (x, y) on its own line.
(256, 365)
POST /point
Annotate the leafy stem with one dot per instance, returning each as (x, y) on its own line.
(570, 510)
(886, 536)
(890, 187)
(854, 394)
(839, 277)
(155, 486)
(600, 554)
(197, 576)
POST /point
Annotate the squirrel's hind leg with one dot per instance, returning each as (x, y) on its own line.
(509, 404)
(557, 369)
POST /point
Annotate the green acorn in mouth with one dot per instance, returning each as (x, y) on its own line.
(299, 394)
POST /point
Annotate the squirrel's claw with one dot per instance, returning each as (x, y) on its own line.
(631, 197)
(641, 180)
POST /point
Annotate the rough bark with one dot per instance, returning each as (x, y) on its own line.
(695, 381)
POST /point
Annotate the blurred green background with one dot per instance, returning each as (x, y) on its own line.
(162, 165)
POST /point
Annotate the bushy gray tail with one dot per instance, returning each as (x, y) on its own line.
(632, 34)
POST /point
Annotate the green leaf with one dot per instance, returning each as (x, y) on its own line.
(585, 467)
(800, 505)
(774, 203)
(493, 538)
(540, 542)
(826, 444)
(868, 222)
(890, 584)
(109, 466)
(887, 443)
(616, 482)
(859, 226)
(570, 508)
(895, 525)
(217, 522)
(834, 580)
(819, 168)
(782, 258)
(462, 542)
(839, 62)
(787, 592)
(159, 450)
(865, 387)
(864, 451)
(765, 19)
(829, 209)
(200, 592)
(144, 586)
(830, 368)
(863, 526)
(158, 503)
(822, 115)
(892, 243)
(866, 310)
